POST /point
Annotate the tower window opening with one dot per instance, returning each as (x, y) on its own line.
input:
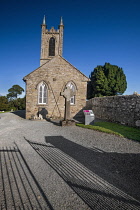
(52, 47)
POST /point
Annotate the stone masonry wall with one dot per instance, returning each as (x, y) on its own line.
(56, 74)
(121, 109)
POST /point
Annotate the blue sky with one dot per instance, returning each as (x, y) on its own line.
(96, 31)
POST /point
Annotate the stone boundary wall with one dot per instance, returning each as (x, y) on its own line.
(121, 109)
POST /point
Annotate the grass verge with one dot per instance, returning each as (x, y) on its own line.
(116, 129)
(4, 112)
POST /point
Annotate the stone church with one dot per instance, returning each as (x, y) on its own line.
(45, 84)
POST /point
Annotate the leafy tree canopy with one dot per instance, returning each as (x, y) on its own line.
(107, 80)
(17, 104)
(14, 91)
(3, 103)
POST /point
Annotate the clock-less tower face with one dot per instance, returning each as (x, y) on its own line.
(52, 46)
(51, 42)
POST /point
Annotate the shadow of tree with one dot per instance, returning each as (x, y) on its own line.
(20, 113)
(20, 189)
(101, 179)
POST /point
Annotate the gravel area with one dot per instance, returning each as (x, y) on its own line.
(46, 166)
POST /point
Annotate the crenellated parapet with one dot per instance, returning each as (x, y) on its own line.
(51, 41)
(52, 30)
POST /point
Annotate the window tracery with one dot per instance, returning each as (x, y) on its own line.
(42, 93)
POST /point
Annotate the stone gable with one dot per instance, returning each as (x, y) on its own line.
(55, 73)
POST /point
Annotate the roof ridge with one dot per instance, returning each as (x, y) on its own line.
(24, 78)
(74, 67)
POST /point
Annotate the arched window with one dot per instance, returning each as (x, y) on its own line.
(52, 47)
(42, 93)
(72, 87)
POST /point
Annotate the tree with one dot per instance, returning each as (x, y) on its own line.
(17, 104)
(107, 80)
(14, 91)
(4, 103)
(99, 82)
(21, 103)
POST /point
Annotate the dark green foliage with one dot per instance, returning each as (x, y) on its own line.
(4, 103)
(89, 90)
(17, 104)
(21, 103)
(107, 80)
(99, 82)
(11, 102)
(14, 91)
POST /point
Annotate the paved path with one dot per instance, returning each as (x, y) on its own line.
(45, 166)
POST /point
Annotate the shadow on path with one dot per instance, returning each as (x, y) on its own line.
(93, 174)
(19, 187)
(20, 113)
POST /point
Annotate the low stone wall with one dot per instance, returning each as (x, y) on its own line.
(121, 109)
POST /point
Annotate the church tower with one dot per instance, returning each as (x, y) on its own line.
(51, 41)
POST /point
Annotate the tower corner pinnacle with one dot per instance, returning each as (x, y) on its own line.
(44, 20)
(61, 25)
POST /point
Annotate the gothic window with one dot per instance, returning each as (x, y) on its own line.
(42, 93)
(52, 47)
(72, 87)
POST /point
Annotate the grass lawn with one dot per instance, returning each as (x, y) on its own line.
(114, 128)
(4, 112)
